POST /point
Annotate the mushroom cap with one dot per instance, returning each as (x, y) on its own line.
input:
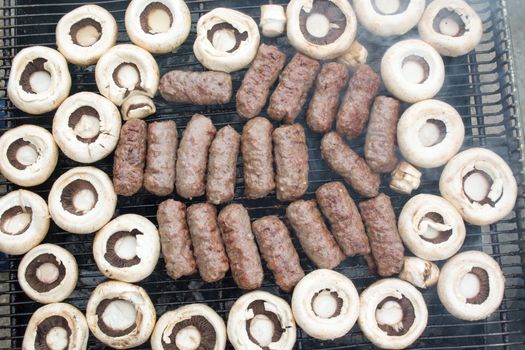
(61, 287)
(221, 60)
(34, 232)
(502, 193)
(273, 20)
(421, 273)
(86, 55)
(449, 285)
(41, 141)
(451, 45)
(137, 106)
(156, 42)
(69, 140)
(309, 288)
(60, 81)
(164, 327)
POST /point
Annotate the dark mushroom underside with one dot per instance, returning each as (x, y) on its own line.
(37, 65)
(332, 13)
(71, 190)
(257, 307)
(335, 295)
(11, 213)
(403, 5)
(112, 257)
(450, 15)
(75, 117)
(484, 289)
(239, 37)
(101, 307)
(421, 62)
(31, 273)
(443, 236)
(205, 328)
(407, 321)
(83, 23)
(489, 181)
(47, 325)
(12, 151)
(148, 10)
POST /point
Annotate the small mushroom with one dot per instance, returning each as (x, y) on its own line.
(28, 155)
(471, 285)
(421, 273)
(481, 186)
(48, 273)
(227, 40)
(354, 56)
(85, 34)
(56, 326)
(393, 314)
(431, 227)
(260, 320)
(194, 326)
(39, 80)
(126, 68)
(325, 304)
(127, 248)
(120, 315)
(429, 133)
(412, 70)
(405, 178)
(82, 200)
(273, 20)
(389, 17)
(159, 26)
(321, 29)
(452, 27)
(86, 127)
(137, 106)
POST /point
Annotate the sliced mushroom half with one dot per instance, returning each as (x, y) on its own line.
(481, 186)
(56, 326)
(325, 304)
(120, 315)
(321, 29)
(273, 20)
(471, 285)
(260, 320)
(393, 314)
(82, 200)
(194, 326)
(227, 40)
(412, 70)
(452, 27)
(421, 273)
(429, 133)
(48, 273)
(86, 127)
(159, 26)
(127, 248)
(126, 68)
(85, 34)
(28, 155)
(137, 106)
(39, 80)
(431, 227)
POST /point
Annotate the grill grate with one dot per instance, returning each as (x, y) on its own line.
(479, 85)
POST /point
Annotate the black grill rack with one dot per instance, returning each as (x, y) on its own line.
(479, 85)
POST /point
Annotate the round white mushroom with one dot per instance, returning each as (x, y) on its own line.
(481, 186)
(471, 285)
(39, 80)
(421, 273)
(137, 106)
(28, 155)
(273, 20)
(405, 178)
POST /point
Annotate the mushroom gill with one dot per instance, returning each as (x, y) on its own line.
(45, 272)
(257, 326)
(156, 18)
(323, 23)
(395, 316)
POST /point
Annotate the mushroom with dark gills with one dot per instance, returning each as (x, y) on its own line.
(393, 313)
(260, 320)
(82, 200)
(48, 273)
(56, 326)
(85, 34)
(421, 273)
(190, 327)
(325, 304)
(120, 315)
(321, 29)
(481, 186)
(28, 155)
(471, 285)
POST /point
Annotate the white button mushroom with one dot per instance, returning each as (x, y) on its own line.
(421, 273)
(137, 106)
(273, 20)
(405, 178)
(354, 56)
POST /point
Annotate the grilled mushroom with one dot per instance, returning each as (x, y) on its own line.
(28, 155)
(126, 68)
(260, 320)
(39, 80)
(273, 20)
(452, 27)
(120, 315)
(48, 273)
(86, 127)
(354, 56)
(480, 185)
(127, 248)
(325, 304)
(137, 106)
(159, 26)
(56, 326)
(412, 70)
(321, 29)
(85, 34)
(82, 200)
(431, 227)
(405, 178)
(393, 313)
(421, 273)
(471, 285)
(194, 326)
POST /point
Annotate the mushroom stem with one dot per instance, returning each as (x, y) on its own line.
(354, 56)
